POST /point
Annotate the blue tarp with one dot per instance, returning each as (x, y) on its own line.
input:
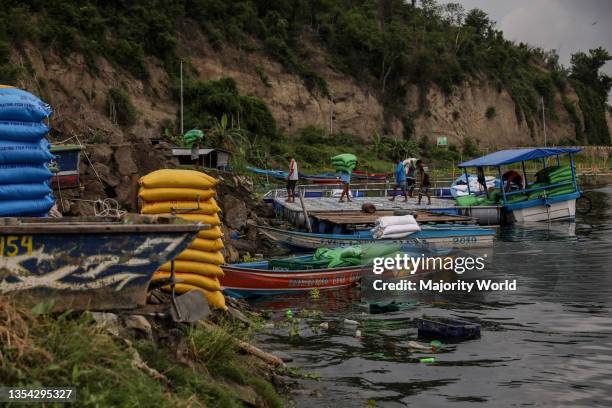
(517, 155)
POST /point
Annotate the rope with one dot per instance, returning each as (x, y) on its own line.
(109, 207)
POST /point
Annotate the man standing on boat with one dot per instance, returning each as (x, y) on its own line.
(292, 179)
(345, 177)
(410, 176)
(425, 182)
(400, 180)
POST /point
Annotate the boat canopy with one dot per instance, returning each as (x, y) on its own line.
(510, 156)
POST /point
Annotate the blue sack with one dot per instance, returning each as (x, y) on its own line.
(32, 153)
(24, 191)
(16, 104)
(22, 131)
(24, 173)
(16, 208)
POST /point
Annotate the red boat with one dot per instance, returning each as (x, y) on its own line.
(364, 175)
(274, 277)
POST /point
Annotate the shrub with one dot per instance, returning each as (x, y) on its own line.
(120, 108)
(491, 112)
(470, 148)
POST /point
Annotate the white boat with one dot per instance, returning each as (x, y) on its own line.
(549, 201)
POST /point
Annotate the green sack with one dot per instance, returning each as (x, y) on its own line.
(517, 198)
(193, 137)
(560, 191)
(467, 201)
(488, 202)
(345, 157)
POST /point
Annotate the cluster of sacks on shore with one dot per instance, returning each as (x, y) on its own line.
(191, 195)
(24, 155)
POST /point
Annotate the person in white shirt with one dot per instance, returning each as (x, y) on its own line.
(292, 179)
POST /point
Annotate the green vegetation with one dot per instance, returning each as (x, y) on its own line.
(387, 44)
(592, 88)
(71, 350)
(491, 112)
(120, 108)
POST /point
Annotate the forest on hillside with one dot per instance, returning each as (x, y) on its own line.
(385, 44)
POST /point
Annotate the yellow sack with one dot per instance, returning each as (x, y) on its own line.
(170, 194)
(206, 269)
(212, 233)
(209, 219)
(210, 245)
(208, 206)
(176, 178)
(215, 258)
(201, 281)
(215, 298)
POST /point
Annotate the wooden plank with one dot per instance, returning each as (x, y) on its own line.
(347, 218)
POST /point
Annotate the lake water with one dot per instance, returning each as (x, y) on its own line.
(549, 343)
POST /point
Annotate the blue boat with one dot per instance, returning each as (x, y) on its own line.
(66, 166)
(542, 201)
(87, 263)
(432, 236)
(277, 174)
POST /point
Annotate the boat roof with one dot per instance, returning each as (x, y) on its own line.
(509, 156)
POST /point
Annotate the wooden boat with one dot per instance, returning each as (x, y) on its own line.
(276, 174)
(66, 165)
(87, 263)
(434, 237)
(532, 203)
(365, 175)
(261, 278)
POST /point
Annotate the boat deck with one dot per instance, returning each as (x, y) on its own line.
(329, 204)
(360, 218)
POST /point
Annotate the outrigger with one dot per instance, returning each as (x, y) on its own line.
(542, 201)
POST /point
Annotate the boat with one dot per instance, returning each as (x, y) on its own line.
(65, 166)
(366, 175)
(451, 236)
(277, 174)
(88, 263)
(270, 277)
(325, 178)
(536, 201)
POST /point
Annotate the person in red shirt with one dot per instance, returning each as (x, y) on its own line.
(512, 178)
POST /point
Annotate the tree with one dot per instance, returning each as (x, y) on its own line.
(480, 21)
(585, 68)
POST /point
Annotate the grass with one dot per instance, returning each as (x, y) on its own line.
(71, 350)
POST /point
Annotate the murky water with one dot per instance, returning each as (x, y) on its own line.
(549, 343)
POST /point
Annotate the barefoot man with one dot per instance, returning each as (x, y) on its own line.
(292, 179)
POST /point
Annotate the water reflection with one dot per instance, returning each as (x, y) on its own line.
(548, 343)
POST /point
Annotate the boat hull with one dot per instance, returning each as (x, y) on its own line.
(67, 159)
(433, 238)
(87, 267)
(555, 208)
(244, 281)
(554, 212)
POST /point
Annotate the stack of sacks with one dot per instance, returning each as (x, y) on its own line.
(355, 255)
(24, 155)
(344, 163)
(198, 267)
(459, 187)
(395, 227)
(554, 174)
